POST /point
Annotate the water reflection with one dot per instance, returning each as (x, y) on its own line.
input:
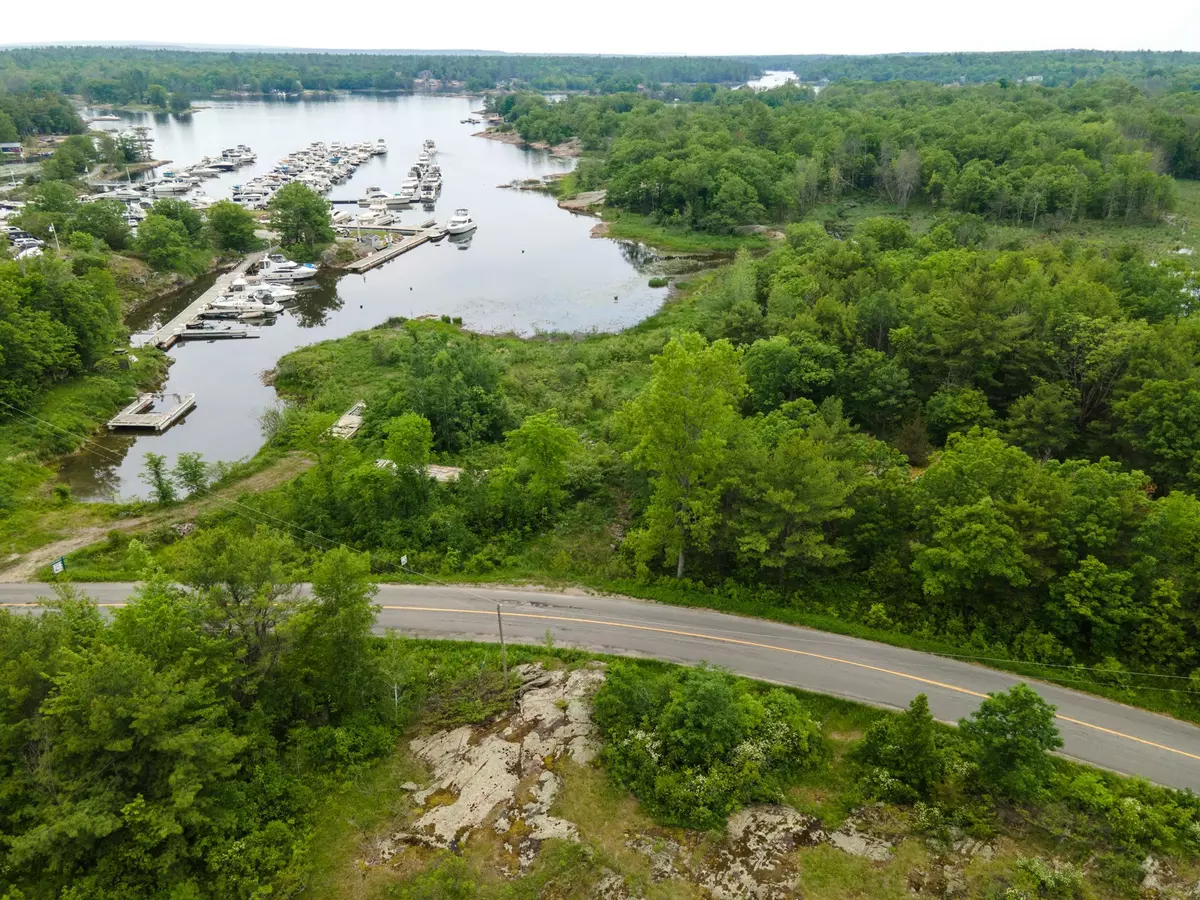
(462, 241)
(313, 306)
(637, 254)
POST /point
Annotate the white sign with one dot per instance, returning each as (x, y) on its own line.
(404, 560)
(59, 565)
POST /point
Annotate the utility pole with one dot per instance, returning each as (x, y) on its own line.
(503, 650)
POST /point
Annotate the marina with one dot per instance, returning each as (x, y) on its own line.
(564, 281)
(166, 336)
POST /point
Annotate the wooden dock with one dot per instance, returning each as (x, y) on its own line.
(137, 415)
(379, 257)
(168, 334)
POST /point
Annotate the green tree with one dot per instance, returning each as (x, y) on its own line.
(156, 95)
(104, 220)
(409, 440)
(164, 243)
(191, 473)
(182, 212)
(1042, 422)
(156, 478)
(232, 227)
(682, 426)
(903, 755)
(540, 451)
(331, 668)
(956, 409)
(300, 216)
(1010, 738)
(179, 103)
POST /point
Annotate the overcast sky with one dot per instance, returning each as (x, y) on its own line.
(698, 27)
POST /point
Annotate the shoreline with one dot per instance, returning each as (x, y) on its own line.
(568, 149)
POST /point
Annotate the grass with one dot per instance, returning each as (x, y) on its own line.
(631, 226)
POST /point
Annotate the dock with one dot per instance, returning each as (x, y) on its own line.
(347, 426)
(213, 334)
(140, 415)
(168, 334)
(412, 238)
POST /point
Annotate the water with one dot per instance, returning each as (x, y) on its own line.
(772, 79)
(529, 267)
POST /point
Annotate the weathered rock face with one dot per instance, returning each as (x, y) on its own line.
(753, 862)
(499, 773)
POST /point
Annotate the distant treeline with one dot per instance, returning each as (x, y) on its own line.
(125, 74)
(1016, 153)
(1054, 67)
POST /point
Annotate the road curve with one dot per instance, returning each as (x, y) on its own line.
(1094, 730)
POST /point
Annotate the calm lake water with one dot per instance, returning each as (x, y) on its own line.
(529, 267)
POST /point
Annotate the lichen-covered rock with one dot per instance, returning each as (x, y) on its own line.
(478, 772)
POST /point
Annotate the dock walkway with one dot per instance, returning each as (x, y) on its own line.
(379, 257)
(168, 334)
(138, 414)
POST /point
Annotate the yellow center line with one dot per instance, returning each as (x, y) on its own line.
(744, 643)
(811, 655)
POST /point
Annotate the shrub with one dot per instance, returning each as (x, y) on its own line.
(694, 746)
(659, 282)
(1010, 738)
(902, 756)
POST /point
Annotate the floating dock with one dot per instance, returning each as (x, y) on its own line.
(213, 334)
(138, 414)
(379, 257)
(168, 334)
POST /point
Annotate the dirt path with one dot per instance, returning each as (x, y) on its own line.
(25, 567)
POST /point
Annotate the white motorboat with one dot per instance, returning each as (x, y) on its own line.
(242, 288)
(423, 158)
(248, 306)
(380, 148)
(430, 148)
(374, 194)
(169, 186)
(277, 267)
(460, 223)
(377, 215)
(429, 192)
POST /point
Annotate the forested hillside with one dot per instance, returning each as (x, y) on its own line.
(1020, 155)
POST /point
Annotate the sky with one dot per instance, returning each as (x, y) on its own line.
(698, 27)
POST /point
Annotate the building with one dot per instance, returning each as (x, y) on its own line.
(10, 151)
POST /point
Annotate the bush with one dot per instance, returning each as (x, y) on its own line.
(1010, 738)
(659, 282)
(903, 757)
(696, 745)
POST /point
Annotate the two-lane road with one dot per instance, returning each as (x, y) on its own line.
(1094, 730)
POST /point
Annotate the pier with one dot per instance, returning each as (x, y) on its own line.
(168, 334)
(412, 238)
(140, 413)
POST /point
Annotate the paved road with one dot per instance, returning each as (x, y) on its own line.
(1094, 730)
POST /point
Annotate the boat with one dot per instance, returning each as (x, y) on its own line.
(430, 147)
(380, 148)
(247, 306)
(277, 267)
(429, 192)
(423, 158)
(242, 288)
(374, 194)
(377, 215)
(169, 186)
(460, 223)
